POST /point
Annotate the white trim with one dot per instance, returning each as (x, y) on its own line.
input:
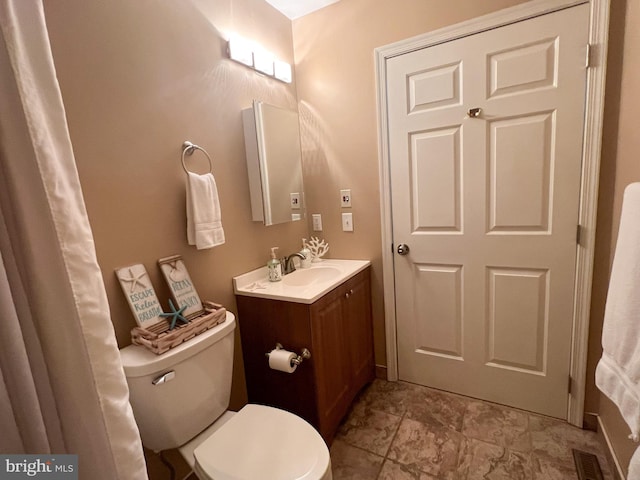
(598, 32)
(594, 118)
(389, 293)
(473, 26)
(612, 453)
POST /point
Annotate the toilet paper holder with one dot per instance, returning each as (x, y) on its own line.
(304, 355)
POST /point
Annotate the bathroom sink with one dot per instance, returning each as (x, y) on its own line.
(302, 277)
(305, 285)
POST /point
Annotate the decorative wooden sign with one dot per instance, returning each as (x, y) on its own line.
(181, 286)
(141, 296)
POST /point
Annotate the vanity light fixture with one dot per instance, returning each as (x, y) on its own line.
(263, 61)
(241, 51)
(282, 71)
(252, 55)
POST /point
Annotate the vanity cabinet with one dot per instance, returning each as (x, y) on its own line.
(337, 329)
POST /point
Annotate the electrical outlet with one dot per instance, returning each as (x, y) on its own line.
(317, 222)
(345, 198)
(347, 222)
(295, 200)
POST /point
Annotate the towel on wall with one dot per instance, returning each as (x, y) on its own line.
(618, 371)
(204, 218)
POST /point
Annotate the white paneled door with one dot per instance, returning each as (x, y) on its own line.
(485, 138)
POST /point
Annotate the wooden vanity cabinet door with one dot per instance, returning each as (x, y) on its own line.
(331, 359)
(359, 331)
(343, 343)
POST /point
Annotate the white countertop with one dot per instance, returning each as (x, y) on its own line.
(292, 287)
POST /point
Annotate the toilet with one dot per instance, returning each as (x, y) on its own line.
(180, 400)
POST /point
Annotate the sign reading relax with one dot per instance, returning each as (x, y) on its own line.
(181, 286)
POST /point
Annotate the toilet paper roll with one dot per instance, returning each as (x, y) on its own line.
(281, 360)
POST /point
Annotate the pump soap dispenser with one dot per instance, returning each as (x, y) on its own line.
(274, 267)
(306, 263)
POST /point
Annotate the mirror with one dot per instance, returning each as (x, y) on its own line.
(272, 142)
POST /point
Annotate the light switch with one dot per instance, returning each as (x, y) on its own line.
(345, 198)
(347, 222)
(317, 222)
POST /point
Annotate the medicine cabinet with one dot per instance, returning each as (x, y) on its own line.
(272, 143)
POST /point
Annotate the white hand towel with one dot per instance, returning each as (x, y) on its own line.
(634, 466)
(618, 371)
(204, 218)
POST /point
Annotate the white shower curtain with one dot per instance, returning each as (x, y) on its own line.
(62, 388)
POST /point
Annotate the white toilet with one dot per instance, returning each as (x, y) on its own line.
(180, 400)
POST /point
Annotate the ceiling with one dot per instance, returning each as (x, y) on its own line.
(298, 8)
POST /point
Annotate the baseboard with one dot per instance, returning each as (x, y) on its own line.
(381, 372)
(609, 452)
(590, 422)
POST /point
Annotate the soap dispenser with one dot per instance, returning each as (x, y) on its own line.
(274, 268)
(306, 263)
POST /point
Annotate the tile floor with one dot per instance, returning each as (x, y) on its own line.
(398, 431)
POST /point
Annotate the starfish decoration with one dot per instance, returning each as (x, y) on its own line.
(135, 280)
(175, 315)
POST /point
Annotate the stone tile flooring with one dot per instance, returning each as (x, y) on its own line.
(398, 431)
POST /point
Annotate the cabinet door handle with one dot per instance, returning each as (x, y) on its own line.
(349, 293)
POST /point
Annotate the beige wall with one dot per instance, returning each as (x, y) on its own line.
(139, 78)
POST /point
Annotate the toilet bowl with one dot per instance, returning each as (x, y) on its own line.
(180, 400)
(260, 442)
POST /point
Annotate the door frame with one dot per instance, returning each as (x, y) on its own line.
(592, 142)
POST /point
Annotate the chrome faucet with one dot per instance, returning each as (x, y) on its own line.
(287, 262)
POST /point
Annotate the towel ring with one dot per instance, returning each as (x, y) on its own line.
(188, 148)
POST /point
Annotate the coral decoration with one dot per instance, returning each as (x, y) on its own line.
(317, 247)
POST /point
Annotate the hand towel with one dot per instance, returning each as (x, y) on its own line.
(204, 218)
(618, 371)
(634, 466)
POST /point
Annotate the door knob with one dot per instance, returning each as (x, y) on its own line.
(403, 249)
(474, 112)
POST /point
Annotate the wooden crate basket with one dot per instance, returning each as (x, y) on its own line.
(158, 338)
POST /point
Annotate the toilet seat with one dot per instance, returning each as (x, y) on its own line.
(266, 443)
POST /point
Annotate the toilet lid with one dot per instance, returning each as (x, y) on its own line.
(266, 443)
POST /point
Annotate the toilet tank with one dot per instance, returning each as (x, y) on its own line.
(195, 390)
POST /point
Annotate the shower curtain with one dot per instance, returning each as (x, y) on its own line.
(62, 388)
